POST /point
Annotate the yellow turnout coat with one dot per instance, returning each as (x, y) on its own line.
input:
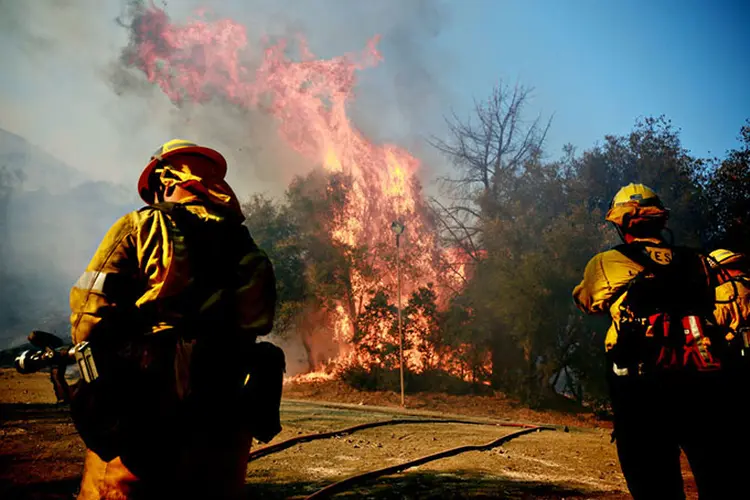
(141, 263)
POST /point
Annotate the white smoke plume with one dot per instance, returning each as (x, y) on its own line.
(66, 91)
(70, 94)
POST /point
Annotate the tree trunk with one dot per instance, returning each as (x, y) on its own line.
(504, 361)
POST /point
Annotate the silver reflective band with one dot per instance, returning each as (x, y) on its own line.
(21, 360)
(85, 362)
(91, 280)
(620, 372)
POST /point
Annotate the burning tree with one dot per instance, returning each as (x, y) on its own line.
(342, 211)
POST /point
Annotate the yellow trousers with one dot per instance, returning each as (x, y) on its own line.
(212, 469)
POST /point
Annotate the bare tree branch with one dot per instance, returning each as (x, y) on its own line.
(471, 249)
(489, 150)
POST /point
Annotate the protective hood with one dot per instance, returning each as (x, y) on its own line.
(632, 213)
(197, 175)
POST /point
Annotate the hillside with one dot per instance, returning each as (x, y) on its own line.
(50, 223)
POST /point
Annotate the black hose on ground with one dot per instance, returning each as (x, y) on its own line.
(283, 445)
(346, 484)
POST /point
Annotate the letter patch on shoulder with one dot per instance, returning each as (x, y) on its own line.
(659, 255)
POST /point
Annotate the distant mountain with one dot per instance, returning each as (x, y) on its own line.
(52, 224)
(40, 169)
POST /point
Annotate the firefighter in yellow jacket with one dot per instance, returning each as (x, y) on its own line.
(733, 290)
(185, 263)
(732, 309)
(657, 410)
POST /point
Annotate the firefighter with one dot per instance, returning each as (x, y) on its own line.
(183, 267)
(732, 291)
(659, 405)
(732, 309)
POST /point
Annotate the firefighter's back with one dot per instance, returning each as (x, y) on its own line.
(668, 384)
(171, 306)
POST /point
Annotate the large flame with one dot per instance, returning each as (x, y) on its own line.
(202, 59)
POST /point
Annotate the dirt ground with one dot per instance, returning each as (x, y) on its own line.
(41, 455)
(497, 406)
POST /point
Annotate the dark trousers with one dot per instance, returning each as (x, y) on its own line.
(701, 414)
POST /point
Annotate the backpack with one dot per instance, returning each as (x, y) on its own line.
(157, 390)
(666, 318)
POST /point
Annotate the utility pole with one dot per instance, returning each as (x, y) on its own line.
(398, 228)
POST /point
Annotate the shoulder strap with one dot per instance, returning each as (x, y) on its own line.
(210, 272)
(623, 249)
(638, 254)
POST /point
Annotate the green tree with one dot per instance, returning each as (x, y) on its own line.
(537, 224)
(378, 317)
(421, 323)
(275, 231)
(651, 154)
(728, 197)
(317, 203)
(489, 151)
(534, 256)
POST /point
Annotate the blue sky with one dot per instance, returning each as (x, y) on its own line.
(599, 64)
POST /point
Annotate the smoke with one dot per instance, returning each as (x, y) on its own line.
(73, 94)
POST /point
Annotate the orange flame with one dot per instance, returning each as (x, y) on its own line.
(309, 99)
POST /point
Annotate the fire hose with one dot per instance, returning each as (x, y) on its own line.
(283, 445)
(347, 483)
(370, 475)
(57, 356)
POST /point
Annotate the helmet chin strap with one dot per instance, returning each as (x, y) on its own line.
(155, 183)
(619, 232)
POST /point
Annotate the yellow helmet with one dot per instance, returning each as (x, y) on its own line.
(725, 257)
(173, 147)
(635, 203)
